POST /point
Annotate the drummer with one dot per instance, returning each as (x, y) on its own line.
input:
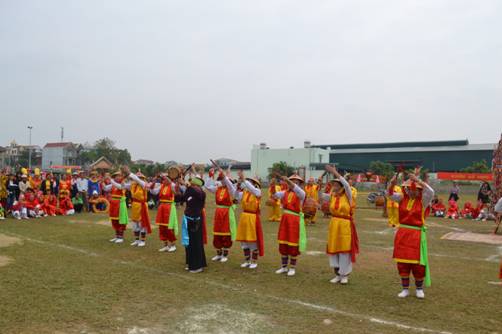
(291, 236)
(312, 192)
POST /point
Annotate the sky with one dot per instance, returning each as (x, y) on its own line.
(192, 80)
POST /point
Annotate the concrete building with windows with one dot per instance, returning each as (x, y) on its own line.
(308, 160)
(59, 154)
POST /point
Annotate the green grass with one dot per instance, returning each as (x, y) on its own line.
(66, 277)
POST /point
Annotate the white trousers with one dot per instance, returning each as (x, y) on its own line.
(343, 262)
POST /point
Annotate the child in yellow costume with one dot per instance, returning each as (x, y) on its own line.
(393, 208)
(274, 205)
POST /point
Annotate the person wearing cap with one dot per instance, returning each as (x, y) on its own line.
(194, 225)
(410, 241)
(118, 208)
(312, 191)
(139, 209)
(343, 242)
(249, 229)
(291, 236)
(274, 204)
(64, 186)
(224, 223)
(167, 218)
(24, 184)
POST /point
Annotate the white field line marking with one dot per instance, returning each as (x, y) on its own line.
(492, 258)
(186, 277)
(495, 283)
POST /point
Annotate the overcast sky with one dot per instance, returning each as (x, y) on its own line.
(192, 80)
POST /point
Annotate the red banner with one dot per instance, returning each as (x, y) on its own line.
(465, 176)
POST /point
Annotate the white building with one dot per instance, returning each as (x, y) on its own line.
(59, 154)
(309, 161)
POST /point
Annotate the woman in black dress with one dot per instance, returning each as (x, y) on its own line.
(193, 224)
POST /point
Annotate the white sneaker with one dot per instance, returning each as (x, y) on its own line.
(420, 293)
(291, 272)
(245, 264)
(253, 265)
(344, 280)
(282, 270)
(113, 240)
(141, 243)
(171, 249)
(216, 258)
(119, 241)
(164, 249)
(336, 280)
(196, 271)
(403, 294)
(135, 243)
(224, 259)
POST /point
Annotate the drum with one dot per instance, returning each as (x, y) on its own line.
(173, 172)
(309, 207)
(380, 201)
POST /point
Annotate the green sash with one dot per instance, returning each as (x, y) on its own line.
(424, 256)
(302, 243)
(123, 216)
(173, 219)
(232, 222)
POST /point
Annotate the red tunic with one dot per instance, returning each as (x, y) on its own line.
(116, 195)
(289, 227)
(407, 241)
(166, 199)
(221, 224)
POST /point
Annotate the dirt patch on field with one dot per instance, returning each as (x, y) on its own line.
(6, 241)
(375, 259)
(5, 260)
(219, 319)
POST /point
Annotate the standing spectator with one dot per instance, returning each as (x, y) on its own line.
(12, 191)
(484, 193)
(3, 188)
(454, 191)
(93, 184)
(82, 189)
(24, 184)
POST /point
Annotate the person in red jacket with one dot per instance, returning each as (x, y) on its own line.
(467, 210)
(118, 207)
(410, 241)
(167, 218)
(438, 208)
(452, 212)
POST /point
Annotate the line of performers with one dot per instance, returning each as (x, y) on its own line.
(410, 245)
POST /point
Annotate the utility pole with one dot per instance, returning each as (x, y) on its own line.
(29, 148)
(62, 134)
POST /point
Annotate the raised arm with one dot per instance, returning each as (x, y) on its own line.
(156, 189)
(210, 185)
(139, 181)
(345, 184)
(251, 188)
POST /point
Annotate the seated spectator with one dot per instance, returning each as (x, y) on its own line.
(467, 211)
(65, 206)
(78, 203)
(438, 208)
(452, 212)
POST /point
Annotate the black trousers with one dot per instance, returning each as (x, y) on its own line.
(195, 256)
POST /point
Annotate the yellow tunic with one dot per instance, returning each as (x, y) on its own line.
(3, 188)
(340, 233)
(393, 208)
(246, 231)
(274, 211)
(138, 195)
(354, 196)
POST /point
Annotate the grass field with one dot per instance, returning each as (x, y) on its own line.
(61, 275)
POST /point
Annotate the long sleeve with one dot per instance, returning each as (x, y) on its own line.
(156, 189)
(498, 206)
(107, 187)
(139, 181)
(254, 190)
(427, 194)
(232, 188)
(210, 185)
(279, 194)
(346, 186)
(299, 192)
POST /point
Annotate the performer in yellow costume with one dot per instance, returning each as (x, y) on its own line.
(312, 191)
(393, 208)
(274, 204)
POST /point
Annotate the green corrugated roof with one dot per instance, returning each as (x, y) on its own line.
(462, 142)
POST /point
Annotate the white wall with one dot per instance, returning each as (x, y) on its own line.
(52, 156)
(263, 159)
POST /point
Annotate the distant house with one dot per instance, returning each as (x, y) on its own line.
(102, 164)
(14, 152)
(3, 155)
(59, 154)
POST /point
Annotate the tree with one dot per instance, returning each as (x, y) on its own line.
(382, 168)
(477, 167)
(105, 147)
(282, 168)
